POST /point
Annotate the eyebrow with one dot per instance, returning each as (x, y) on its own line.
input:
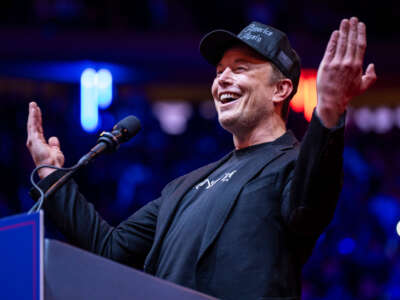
(238, 60)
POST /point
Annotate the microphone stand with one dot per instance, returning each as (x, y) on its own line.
(107, 142)
(60, 182)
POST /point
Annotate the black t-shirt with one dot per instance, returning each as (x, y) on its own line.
(182, 242)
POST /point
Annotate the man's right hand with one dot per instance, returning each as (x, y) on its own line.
(42, 152)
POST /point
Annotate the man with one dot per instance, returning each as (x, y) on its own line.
(242, 227)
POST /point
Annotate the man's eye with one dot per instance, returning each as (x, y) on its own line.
(240, 68)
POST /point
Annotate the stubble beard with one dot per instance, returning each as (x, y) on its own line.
(242, 123)
(237, 123)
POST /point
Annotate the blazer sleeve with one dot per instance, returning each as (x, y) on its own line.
(127, 243)
(312, 190)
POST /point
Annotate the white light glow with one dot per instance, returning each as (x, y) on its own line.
(96, 91)
(89, 95)
(172, 115)
(398, 228)
(384, 120)
(104, 86)
(363, 118)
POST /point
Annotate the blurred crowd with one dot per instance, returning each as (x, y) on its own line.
(195, 16)
(358, 255)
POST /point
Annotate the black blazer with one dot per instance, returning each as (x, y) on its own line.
(255, 242)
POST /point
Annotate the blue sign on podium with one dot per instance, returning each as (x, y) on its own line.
(21, 257)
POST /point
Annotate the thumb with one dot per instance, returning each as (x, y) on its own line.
(54, 142)
(369, 78)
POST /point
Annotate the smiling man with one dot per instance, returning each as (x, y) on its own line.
(249, 93)
(243, 226)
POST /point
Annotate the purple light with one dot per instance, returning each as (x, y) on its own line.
(384, 120)
(172, 116)
(363, 118)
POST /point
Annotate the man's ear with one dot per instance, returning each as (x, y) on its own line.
(283, 88)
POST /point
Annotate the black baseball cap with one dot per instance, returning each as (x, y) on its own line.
(268, 41)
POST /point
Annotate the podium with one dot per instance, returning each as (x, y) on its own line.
(34, 268)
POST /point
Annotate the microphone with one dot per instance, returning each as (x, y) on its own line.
(123, 131)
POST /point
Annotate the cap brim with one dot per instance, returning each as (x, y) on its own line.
(214, 44)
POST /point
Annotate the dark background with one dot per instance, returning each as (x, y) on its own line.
(151, 47)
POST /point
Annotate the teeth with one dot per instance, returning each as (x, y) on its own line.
(228, 96)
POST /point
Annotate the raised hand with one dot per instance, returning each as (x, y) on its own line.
(340, 74)
(41, 151)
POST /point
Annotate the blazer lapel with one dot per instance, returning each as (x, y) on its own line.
(167, 213)
(221, 209)
(220, 213)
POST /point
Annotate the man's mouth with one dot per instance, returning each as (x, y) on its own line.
(228, 97)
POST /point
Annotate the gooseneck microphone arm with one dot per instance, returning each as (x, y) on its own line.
(107, 142)
(58, 184)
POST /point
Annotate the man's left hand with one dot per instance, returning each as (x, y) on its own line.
(340, 74)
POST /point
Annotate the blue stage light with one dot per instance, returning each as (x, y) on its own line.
(96, 92)
(104, 87)
(89, 105)
(346, 246)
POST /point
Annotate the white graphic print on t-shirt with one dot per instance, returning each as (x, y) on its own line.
(224, 178)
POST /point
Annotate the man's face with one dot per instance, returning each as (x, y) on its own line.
(242, 90)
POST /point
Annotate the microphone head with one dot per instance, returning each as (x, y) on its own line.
(128, 127)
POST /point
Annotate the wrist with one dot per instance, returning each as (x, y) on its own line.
(329, 117)
(44, 172)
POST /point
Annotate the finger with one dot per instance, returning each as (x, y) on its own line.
(38, 122)
(369, 78)
(342, 42)
(352, 39)
(34, 124)
(331, 47)
(361, 42)
(29, 124)
(54, 142)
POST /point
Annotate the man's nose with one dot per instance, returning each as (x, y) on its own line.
(225, 77)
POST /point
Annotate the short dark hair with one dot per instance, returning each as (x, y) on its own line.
(275, 77)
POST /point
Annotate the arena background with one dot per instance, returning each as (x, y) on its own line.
(151, 50)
